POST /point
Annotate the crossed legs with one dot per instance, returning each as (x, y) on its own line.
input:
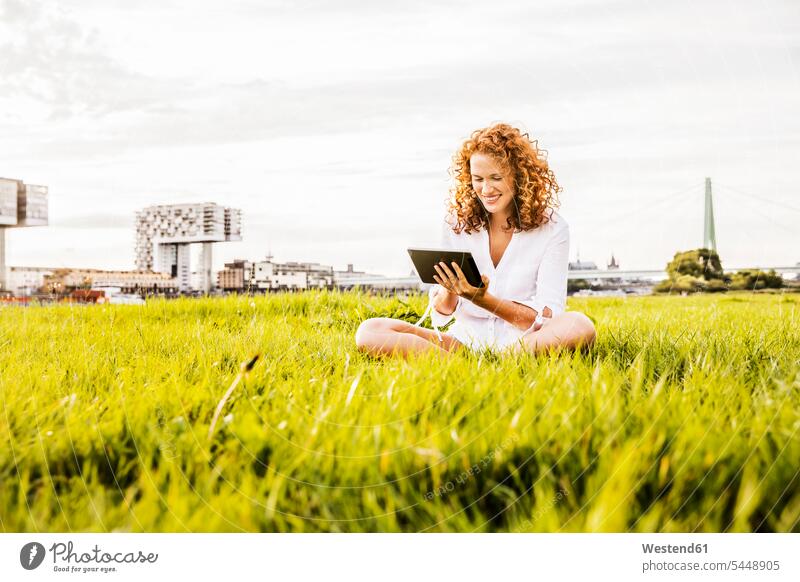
(569, 330)
(386, 336)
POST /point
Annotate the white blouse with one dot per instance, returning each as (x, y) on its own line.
(532, 271)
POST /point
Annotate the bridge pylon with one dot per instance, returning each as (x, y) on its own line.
(709, 232)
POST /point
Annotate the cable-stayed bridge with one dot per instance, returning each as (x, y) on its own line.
(588, 274)
(709, 241)
(659, 273)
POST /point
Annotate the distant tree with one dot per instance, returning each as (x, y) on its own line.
(693, 272)
(682, 284)
(699, 263)
(753, 279)
(574, 285)
(716, 286)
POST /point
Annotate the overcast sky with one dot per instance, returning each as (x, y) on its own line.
(331, 124)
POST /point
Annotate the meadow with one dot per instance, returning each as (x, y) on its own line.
(685, 416)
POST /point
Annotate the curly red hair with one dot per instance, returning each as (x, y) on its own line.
(535, 186)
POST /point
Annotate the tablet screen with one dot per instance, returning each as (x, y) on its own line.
(425, 259)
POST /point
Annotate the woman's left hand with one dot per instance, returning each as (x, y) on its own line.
(454, 280)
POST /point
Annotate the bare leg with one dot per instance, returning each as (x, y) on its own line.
(387, 336)
(570, 330)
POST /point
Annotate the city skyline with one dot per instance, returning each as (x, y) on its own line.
(337, 154)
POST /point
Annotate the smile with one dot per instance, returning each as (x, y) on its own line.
(491, 199)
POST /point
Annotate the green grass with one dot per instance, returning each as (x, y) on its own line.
(685, 416)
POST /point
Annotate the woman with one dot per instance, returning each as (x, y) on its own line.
(502, 209)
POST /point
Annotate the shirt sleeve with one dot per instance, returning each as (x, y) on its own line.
(440, 319)
(551, 279)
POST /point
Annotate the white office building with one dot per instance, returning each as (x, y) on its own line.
(20, 205)
(291, 276)
(164, 233)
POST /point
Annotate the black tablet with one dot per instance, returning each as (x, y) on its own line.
(425, 259)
